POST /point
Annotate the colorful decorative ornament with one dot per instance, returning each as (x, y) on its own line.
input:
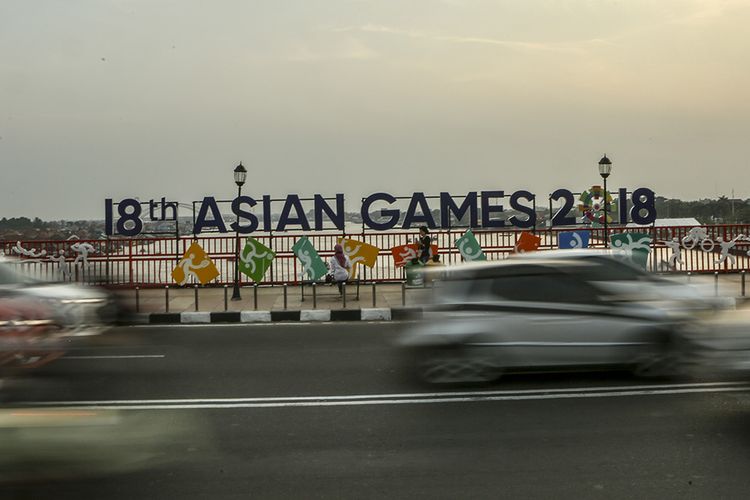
(196, 264)
(313, 267)
(574, 239)
(359, 252)
(592, 206)
(403, 254)
(527, 242)
(255, 259)
(469, 247)
(632, 246)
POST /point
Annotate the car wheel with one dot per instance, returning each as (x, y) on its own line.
(668, 360)
(455, 366)
(656, 367)
(664, 364)
(28, 360)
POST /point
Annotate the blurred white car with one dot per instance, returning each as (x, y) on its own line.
(550, 314)
(78, 310)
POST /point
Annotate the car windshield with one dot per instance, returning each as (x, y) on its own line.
(610, 269)
(531, 283)
(600, 268)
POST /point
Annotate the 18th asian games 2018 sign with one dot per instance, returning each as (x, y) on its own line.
(483, 209)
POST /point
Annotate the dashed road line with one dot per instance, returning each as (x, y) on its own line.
(123, 356)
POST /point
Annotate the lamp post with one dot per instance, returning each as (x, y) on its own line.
(240, 173)
(605, 168)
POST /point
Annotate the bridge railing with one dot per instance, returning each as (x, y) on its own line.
(148, 262)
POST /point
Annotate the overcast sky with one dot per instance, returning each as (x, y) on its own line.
(151, 98)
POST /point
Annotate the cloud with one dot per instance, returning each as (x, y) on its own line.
(350, 49)
(569, 47)
(706, 11)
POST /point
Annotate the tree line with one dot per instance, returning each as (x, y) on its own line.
(721, 210)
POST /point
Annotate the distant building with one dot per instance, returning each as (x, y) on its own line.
(683, 221)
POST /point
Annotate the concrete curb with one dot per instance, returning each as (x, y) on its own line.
(306, 315)
(195, 317)
(315, 315)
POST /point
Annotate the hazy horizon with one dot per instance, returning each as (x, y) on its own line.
(123, 98)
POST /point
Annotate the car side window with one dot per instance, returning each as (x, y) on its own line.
(544, 288)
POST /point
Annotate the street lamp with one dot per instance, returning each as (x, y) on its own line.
(240, 173)
(605, 168)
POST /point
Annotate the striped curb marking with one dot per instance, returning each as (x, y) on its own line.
(306, 315)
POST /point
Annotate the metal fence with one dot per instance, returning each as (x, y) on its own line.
(149, 261)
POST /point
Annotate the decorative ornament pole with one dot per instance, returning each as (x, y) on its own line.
(240, 173)
(606, 230)
(605, 168)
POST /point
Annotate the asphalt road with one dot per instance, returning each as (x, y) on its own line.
(328, 411)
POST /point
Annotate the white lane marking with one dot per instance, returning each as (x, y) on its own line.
(124, 356)
(431, 396)
(558, 344)
(219, 406)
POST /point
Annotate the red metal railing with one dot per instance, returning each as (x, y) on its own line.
(149, 262)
